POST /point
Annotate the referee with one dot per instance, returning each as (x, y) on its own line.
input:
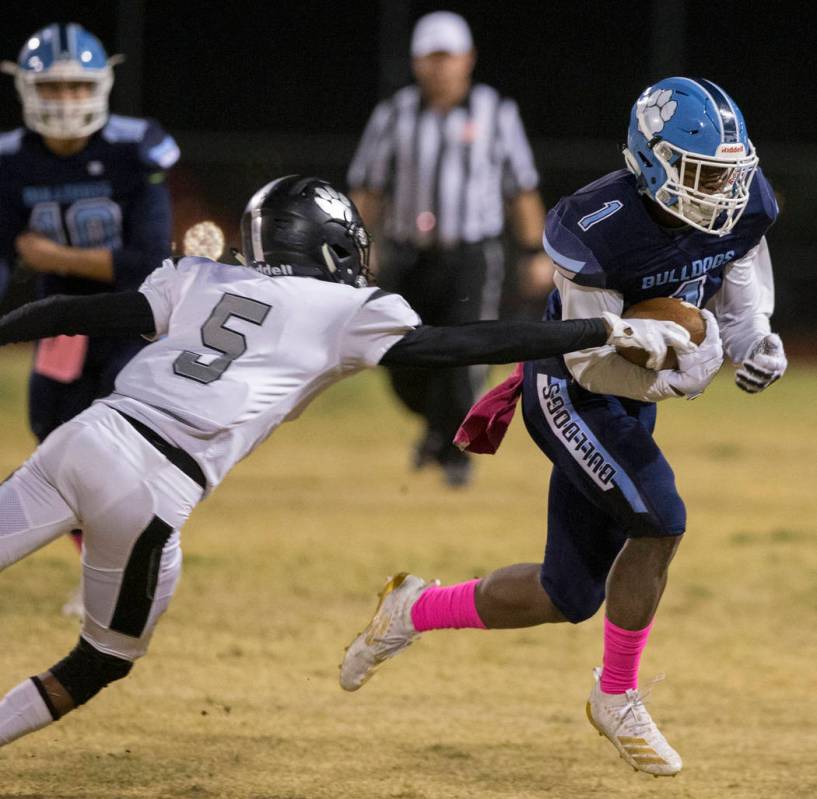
(440, 165)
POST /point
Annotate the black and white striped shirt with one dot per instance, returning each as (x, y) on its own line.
(445, 177)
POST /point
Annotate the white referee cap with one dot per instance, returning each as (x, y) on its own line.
(441, 32)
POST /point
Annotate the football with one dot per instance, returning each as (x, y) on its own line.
(668, 309)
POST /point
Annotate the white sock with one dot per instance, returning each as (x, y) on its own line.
(22, 710)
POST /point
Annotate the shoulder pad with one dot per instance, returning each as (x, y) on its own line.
(565, 244)
(375, 294)
(156, 148)
(760, 214)
(119, 129)
(386, 304)
(11, 141)
(190, 262)
(583, 231)
(764, 190)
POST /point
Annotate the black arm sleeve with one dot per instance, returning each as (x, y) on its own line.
(116, 314)
(494, 342)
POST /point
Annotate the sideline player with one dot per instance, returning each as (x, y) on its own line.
(687, 219)
(84, 203)
(237, 351)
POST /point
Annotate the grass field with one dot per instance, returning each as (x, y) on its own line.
(239, 697)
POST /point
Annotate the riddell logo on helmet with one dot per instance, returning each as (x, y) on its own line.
(731, 148)
(278, 270)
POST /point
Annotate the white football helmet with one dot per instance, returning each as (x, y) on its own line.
(63, 53)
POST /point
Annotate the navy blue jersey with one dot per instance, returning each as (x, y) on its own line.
(603, 236)
(110, 195)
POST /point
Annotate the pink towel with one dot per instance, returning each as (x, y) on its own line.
(487, 422)
(61, 358)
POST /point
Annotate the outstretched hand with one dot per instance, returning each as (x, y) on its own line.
(650, 335)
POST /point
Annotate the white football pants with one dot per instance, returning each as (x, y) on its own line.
(97, 473)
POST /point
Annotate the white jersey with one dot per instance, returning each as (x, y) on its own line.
(238, 353)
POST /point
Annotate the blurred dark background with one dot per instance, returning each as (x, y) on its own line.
(254, 90)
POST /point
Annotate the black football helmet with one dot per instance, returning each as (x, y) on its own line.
(303, 226)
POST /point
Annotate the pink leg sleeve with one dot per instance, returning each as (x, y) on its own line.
(451, 606)
(622, 654)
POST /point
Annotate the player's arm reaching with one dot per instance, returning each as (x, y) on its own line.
(128, 313)
(386, 330)
(122, 313)
(603, 371)
(743, 308)
(508, 342)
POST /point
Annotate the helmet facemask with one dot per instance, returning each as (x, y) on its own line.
(63, 54)
(65, 118)
(708, 193)
(688, 148)
(339, 259)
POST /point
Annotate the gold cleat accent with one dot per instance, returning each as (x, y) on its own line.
(643, 749)
(373, 630)
(388, 632)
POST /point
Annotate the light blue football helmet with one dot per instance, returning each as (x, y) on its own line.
(63, 53)
(688, 147)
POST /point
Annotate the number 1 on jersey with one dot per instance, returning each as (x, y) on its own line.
(216, 336)
(692, 291)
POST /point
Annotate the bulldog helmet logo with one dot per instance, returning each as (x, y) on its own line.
(655, 111)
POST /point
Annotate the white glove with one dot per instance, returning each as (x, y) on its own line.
(697, 368)
(765, 363)
(648, 334)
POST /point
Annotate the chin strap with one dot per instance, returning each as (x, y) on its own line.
(632, 162)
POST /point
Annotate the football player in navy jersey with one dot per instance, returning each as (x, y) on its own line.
(686, 219)
(83, 202)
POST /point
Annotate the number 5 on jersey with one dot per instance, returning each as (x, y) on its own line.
(217, 337)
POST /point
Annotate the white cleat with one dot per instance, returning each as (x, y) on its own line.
(624, 719)
(390, 631)
(73, 607)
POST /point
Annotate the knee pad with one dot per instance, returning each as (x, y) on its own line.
(86, 671)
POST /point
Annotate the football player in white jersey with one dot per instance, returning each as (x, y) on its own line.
(237, 351)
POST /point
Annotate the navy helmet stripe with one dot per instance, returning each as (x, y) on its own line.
(54, 42)
(73, 46)
(726, 111)
(63, 31)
